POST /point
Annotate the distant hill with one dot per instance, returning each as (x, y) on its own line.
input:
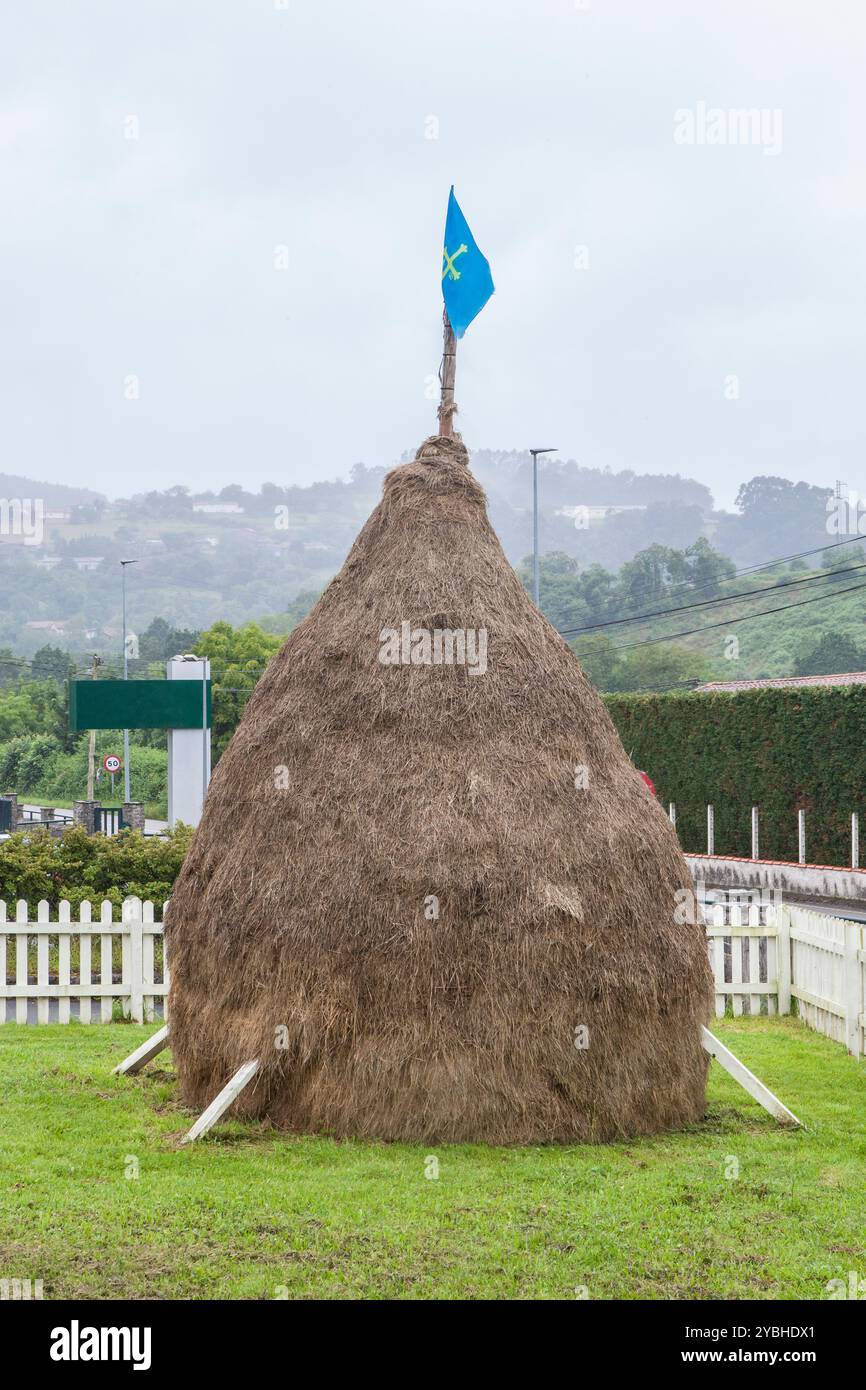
(56, 496)
(240, 555)
(508, 473)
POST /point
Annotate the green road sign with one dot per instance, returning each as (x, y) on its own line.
(136, 705)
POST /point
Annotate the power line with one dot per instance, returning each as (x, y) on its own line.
(727, 622)
(684, 585)
(707, 602)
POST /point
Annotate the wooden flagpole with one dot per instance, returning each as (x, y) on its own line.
(447, 376)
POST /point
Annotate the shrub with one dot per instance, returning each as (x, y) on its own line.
(76, 866)
(781, 749)
(26, 759)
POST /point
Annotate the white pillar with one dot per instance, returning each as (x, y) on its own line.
(188, 750)
(755, 840)
(801, 836)
(711, 830)
(855, 840)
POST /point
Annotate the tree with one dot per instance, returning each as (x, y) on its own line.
(644, 580)
(793, 515)
(661, 666)
(598, 657)
(11, 666)
(834, 652)
(238, 658)
(51, 663)
(706, 568)
(234, 493)
(559, 589)
(846, 557)
(160, 641)
(33, 707)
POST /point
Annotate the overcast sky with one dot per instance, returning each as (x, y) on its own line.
(660, 305)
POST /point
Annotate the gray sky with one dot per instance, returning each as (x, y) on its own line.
(306, 126)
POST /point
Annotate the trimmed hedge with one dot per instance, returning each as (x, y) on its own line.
(781, 750)
(36, 865)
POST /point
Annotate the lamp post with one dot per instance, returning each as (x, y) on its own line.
(123, 565)
(535, 583)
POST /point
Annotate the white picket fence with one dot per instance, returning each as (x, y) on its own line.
(66, 970)
(763, 956)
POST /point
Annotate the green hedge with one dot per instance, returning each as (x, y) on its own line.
(778, 749)
(36, 865)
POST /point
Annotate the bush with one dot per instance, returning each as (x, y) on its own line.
(26, 759)
(781, 749)
(76, 866)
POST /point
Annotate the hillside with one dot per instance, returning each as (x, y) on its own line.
(744, 638)
(54, 495)
(240, 555)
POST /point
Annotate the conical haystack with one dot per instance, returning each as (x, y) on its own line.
(436, 900)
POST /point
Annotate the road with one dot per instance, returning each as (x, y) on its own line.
(151, 827)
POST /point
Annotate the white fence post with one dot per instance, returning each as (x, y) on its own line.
(672, 813)
(42, 916)
(21, 962)
(64, 961)
(711, 830)
(855, 840)
(755, 837)
(2, 963)
(853, 989)
(132, 916)
(43, 996)
(801, 836)
(783, 960)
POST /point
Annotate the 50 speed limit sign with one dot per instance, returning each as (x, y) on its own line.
(112, 763)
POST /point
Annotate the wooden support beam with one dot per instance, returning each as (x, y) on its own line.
(749, 1082)
(144, 1054)
(217, 1108)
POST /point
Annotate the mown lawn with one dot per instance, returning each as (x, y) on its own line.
(249, 1213)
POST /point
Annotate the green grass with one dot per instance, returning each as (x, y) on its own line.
(251, 1213)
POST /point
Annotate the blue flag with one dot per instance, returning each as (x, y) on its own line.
(466, 280)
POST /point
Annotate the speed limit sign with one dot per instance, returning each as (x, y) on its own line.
(112, 763)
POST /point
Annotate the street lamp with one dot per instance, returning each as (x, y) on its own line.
(123, 565)
(535, 585)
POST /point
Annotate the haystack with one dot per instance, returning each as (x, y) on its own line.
(437, 901)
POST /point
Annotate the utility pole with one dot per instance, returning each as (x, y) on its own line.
(535, 579)
(96, 662)
(123, 565)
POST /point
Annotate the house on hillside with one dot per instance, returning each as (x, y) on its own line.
(585, 516)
